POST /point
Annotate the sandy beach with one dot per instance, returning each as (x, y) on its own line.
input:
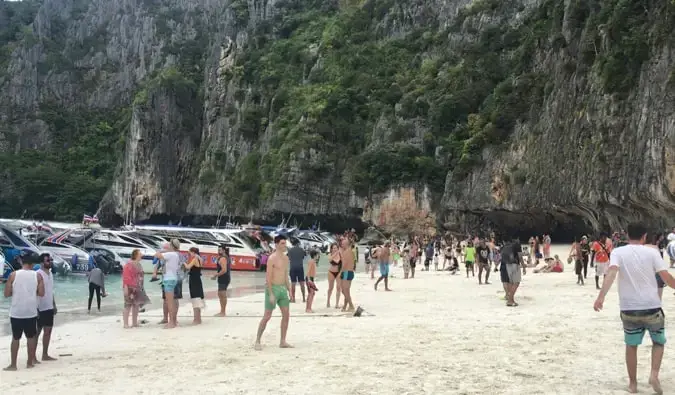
(435, 334)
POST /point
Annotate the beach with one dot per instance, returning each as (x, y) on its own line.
(434, 334)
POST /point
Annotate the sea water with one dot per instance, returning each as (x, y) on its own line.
(71, 293)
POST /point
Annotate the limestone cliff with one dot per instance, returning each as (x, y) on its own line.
(520, 115)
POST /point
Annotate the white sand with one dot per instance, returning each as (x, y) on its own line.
(436, 334)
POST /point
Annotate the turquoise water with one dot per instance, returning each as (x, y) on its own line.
(72, 293)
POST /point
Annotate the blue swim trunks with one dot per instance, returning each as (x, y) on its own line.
(637, 322)
(347, 275)
(384, 269)
(169, 285)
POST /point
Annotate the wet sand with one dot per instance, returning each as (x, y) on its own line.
(436, 334)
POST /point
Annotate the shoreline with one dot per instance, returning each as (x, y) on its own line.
(435, 334)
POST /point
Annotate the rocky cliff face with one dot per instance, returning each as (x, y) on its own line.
(519, 115)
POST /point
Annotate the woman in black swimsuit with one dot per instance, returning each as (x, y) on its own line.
(334, 275)
(194, 267)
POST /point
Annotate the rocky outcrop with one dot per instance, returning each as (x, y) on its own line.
(588, 160)
(518, 116)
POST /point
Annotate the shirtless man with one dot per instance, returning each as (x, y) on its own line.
(277, 288)
(383, 257)
(348, 267)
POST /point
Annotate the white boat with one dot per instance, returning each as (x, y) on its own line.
(243, 248)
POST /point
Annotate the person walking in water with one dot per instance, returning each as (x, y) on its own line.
(639, 300)
(223, 276)
(383, 256)
(194, 268)
(24, 286)
(277, 288)
(96, 280)
(46, 305)
(348, 268)
(296, 256)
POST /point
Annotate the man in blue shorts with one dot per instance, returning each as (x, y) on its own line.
(639, 300)
(384, 256)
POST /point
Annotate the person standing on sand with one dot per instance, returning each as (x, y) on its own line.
(638, 300)
(24, 286)
(223, 268)
(470, 256)
(600, 256)
(585, 248)
(653, 239)
(414, 250)
(194, 268)
(296, 256)
(334, 275)
(348, 267)
(46, 306)
(383, 256)
(547, 246)
(309, 280)
(575, 255)
(512, 261)
(170, 283)
(277, 288)
(482, 256)
(130, 290)
(96, 280)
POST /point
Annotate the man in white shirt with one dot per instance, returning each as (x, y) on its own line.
(639, 300)
(24, 286)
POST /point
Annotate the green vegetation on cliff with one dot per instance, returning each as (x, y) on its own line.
(372, 93)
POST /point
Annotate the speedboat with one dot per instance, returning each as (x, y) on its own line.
(312, 241)
(241, 244)
(13, 244)
(103, 244)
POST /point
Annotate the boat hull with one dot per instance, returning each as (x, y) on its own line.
(239, 262)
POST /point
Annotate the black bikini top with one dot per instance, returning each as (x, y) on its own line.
(338, 263)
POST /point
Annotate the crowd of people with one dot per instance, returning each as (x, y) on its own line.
(635, 257)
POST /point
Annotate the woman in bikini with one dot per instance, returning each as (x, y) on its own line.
(334, 275)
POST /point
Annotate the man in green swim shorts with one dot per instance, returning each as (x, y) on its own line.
(277, 288)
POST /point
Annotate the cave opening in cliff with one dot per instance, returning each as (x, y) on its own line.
(563, 227)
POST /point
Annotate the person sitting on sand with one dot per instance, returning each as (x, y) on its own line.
(309, 280)
(277, 289)
(557, 266)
